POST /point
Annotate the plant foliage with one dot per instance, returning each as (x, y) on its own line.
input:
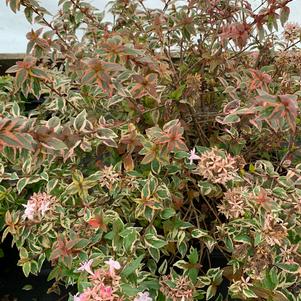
(161, 138)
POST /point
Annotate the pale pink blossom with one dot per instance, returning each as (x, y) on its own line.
(86, 266)
(193, 156)
(143, 297)
(30, 209)
(113, 265)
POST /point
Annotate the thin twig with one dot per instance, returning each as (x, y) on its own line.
(61, 95)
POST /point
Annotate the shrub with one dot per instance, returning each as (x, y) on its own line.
(162, 137)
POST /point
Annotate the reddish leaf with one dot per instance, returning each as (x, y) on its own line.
(98, 222)
(128, 162)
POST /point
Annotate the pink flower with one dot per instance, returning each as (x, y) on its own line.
(143, 297)
(193, 156)
(86, 266)
(113, 265)
(105, 291)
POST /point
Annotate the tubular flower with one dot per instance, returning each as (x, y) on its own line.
(113, 265)
(193, 156)
(86, 266)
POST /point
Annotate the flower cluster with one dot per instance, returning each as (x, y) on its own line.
(292, 32)
(274, 230)
(261, 260)
(38, 204)
(217, 166)
(109, 177)
(104, 282)
(234, 202)
(183, 289)
(288, 61)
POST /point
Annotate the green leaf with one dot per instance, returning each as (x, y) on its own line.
(231, 118)
(280, 192)
(205, 187)
(23, 253)
(154, 242)
(51, 184)
(289, 267)
(106, 133)
(152, 265)
(193, 274)
(271, 280)
(284, 15)
(193, 256)
(21, 184)
(15, 110)
(243, 238)
(181, 264)
(249, 293)
(156, 167)
(211, 291)
(129, 236)
(163, 267)
(132, 266)
(81, 244)
(21, 77)
(26, 267)
(182, 247)
(129, 290)
(44, 176)
(27, 287)
(38, 73)
(177, 94)
(155, 253)
(53, 122)
(198, 233)
(167, 213)
(80, 121)
(179, 155)
(55, 144)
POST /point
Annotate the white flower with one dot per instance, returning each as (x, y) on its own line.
(86, 266)
(143, 297)
(30, 209)
(113, 265)
(76, 297)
